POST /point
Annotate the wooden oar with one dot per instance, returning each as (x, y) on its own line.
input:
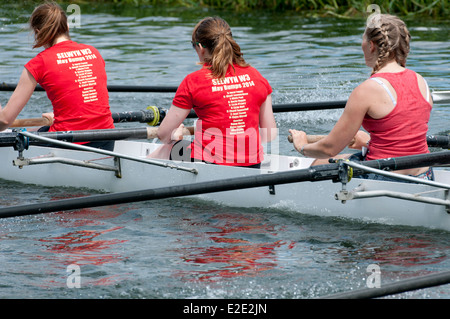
(152, 116)
(314, 173)
(43, 121)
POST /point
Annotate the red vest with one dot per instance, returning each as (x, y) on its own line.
(403, 131)
(74, 78)
(227, 131)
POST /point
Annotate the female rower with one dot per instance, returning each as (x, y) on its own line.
(231, 99)
(393, 105)
(72, 74)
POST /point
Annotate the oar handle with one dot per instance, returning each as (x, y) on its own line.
(152, 132)
(315, 138)
(442, 141)
(43, 121)
(311, 138)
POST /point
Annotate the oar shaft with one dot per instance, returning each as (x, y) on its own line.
(442, 141)
(438, 97)
(422, 282)
(8, 139)
(313, 174)
(161, 193)
(111, 88)
(297, 107)
(108, 134)
(153, 116)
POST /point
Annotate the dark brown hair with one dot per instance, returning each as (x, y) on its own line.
(392, 38)
(214, 33)
(48, 21)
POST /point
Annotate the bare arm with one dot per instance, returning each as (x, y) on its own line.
(18, 100)
(267, 121)
(345, 129)
(167, 131)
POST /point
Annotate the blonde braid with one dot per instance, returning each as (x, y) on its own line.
(392, 38)
(384, 52)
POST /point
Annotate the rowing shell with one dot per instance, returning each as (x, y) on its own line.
(394, 203)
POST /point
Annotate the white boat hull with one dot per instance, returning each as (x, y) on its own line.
(315, 198)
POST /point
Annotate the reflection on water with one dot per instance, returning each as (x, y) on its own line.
(177, 249)
(82, 248)
(410, 252)
(235, 249)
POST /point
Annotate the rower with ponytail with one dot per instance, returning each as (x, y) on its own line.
(215, 35)
(72, 74)
(231, 99)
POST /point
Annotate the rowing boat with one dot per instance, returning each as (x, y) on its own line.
(283, 182)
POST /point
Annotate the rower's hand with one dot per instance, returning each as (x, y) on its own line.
(299, 139)
(177, 134)
(50, 117)
(360, 140)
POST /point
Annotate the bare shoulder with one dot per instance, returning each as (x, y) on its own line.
(420, 80)
(365, 94)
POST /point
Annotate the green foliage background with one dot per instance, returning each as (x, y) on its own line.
(438, 9)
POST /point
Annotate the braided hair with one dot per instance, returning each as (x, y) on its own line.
(392, 38)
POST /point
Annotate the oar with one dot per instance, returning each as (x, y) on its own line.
(152, 116)
(312, 174)
(438, 97)
(297, 107)
(422, 282)
(40, 121)
(11, 138)
(441, 96)
(111, 88)
(442, 141)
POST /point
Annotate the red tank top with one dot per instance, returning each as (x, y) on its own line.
(403, 131)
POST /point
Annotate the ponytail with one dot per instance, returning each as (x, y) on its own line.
(215, 34)
(48, 21)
